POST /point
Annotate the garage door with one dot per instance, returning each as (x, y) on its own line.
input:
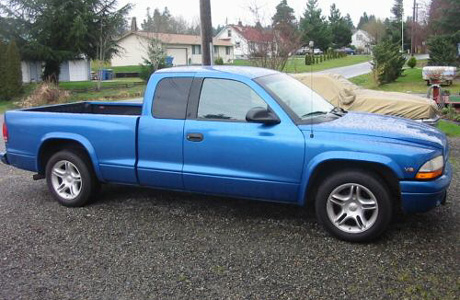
(180, 56)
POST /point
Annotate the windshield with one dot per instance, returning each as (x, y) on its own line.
(301, 100)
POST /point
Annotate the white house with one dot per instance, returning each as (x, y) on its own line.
(185, 49)
(72, 70)
(241, 37)
(362, 40)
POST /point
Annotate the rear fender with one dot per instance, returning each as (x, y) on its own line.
(76, 138)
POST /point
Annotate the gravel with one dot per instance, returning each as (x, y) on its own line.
(139, 243)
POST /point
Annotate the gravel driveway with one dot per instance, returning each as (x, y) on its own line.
(139, 243)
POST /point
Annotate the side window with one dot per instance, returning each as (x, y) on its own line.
(171, 95)
(223, 99)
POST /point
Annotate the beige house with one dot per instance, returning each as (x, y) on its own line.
(185, 49)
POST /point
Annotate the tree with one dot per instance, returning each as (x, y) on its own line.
(349, 22)
(443, 51)
(156, 59)
(2, 69)
(314, 26)
(387, 62)
(398, 10)
(444, 16)
(341, 31)
(376, 30)
(284, 15)
(13, 74)
(55, 31)
(394, 25)
(364, 19)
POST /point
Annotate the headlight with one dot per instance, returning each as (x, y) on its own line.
(431, 169)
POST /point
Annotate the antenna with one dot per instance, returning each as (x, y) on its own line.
(311, 44)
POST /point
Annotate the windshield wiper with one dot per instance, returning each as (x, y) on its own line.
(338, 111)
(315, 113)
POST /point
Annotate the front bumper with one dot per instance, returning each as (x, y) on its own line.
(3, 158)
(432, 122)
(421, 196)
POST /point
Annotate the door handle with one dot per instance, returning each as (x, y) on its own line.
(194, 137)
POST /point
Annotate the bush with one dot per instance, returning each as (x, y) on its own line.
(443, 51)
(412, 62)
(12, 76)
(387, 63)
(156, 59)
(44, 94)
(308, 60)
(450, 113)
(219, 61)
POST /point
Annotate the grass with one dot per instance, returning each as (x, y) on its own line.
(120, 69)
(449, 128)
(296, 64)
(410, 82)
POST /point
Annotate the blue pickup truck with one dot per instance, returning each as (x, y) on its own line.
(240, 132)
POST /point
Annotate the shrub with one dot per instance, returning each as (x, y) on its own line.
(12, 79)
(308, 60)
(443, 51)
(156, 59)
(412, 62)
(219, 61)
(45, 93)
(387, 63)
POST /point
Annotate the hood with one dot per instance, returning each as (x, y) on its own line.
(384, 126)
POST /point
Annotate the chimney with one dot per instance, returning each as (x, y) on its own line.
(240, 23)
(133, 24)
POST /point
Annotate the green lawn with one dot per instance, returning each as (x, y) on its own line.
(296, 64)
(410, 82)
(5, 105)
(449, 128)
(110, 94)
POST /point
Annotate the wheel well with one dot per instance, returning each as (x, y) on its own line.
(50, 147)
(330, 167)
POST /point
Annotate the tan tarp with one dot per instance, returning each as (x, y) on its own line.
(342, 93)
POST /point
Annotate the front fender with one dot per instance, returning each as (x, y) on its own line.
(76, 138)
(344, 156)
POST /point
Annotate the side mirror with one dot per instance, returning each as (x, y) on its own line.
(262, 115)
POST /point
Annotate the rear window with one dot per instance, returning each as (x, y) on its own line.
(170, 101)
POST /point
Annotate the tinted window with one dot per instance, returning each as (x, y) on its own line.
(227, 100)
(171, 96)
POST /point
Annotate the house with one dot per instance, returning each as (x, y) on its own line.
(185, 49)
(244, 38)
(72, 70)
(362, 40)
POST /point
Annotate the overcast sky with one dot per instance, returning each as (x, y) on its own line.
(235, 10)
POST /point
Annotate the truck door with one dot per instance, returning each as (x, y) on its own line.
(160, 142)
(224, 154)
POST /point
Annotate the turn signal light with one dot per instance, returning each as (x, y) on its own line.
(428, 175)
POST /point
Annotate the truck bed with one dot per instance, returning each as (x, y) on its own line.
(99, 108)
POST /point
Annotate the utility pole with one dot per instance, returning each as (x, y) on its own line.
(206, 32)
(412, 31)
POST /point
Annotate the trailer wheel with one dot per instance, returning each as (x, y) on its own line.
(70, 178)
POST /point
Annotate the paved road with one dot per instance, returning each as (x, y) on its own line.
(140, 243)
(350, 71)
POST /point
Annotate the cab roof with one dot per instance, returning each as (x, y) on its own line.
(250, 72)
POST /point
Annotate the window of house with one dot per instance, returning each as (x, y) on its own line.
(229, 33)
(227, 50)
(170, 100)
(237, 44)
(216, 50)
(196, 49)
(223, 99)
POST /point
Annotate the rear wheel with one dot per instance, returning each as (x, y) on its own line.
(70, 178)
(354, 206)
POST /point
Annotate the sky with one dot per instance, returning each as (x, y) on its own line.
(235, 10)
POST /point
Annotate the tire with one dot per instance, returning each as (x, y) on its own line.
(360, 216)
(70, 178)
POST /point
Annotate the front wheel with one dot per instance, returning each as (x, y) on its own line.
(354, 206)
(70, 178)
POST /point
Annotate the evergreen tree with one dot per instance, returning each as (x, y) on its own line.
(314, 26)
(349, 22)
(2, 70)
(284, 15)
(364, 19)
(13, 76)
(341, 31)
